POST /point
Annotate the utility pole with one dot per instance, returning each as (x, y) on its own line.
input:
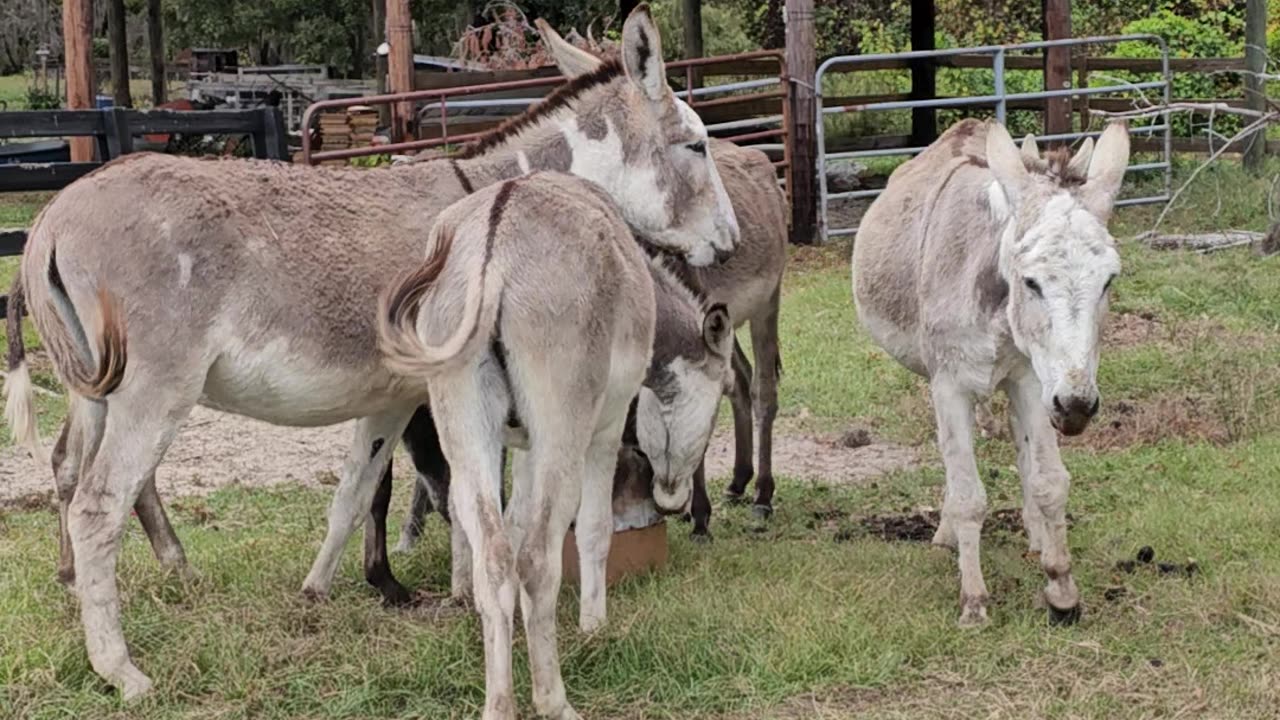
(400, 66)
(801, 58)
(77, 41)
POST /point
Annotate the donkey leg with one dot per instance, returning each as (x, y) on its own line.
(132, 445)
(1048, 485)
(65, 474)
(964, 504)
(740, 401)
(593, 529)
(375, 439)
(1032, 519)
(431, 491)
(701, 505)
(164, 541)
(472, 404)
(377, 570)
(764, 394)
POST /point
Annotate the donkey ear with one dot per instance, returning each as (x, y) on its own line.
(1106, 170)
(642, 53)
(1005, 162)
(1079, 165)
(717, 329)
(1030, 151)
(571, 60)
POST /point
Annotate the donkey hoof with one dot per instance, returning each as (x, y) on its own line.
(762, 512)
(973, 612)
(1064, 618)
(686, 518)
(702, 537)
(733, 498)
(313, 595)
(394, 595)
(67, 576)
(132, 683)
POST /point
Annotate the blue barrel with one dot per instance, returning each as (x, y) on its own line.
(104, 101)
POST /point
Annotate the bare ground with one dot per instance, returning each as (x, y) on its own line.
(215, 450)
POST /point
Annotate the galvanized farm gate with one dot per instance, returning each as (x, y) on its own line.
(999, 99)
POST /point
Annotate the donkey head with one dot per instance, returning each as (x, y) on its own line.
(1059, 260)
(675, 411)
(647, 149)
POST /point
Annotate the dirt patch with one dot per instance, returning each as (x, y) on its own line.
(914, 526)
(827, 459)
(1125, 330)
(215, 450)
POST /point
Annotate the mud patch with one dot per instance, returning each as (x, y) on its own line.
(1125, 330)
(1127, 423)
(826, 459)
(215, 450)
(915, 526)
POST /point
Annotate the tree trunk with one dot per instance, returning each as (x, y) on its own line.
(119, 42)
(155, 39)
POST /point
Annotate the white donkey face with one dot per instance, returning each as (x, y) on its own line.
(676, 412)
(647, 149)
(1060, 261)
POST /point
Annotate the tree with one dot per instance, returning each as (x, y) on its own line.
(116, 35)
(155, 39)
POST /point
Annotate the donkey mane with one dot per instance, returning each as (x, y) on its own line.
(1056, 165)
(557, 100)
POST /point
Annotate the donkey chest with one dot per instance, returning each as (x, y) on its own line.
(977, 357)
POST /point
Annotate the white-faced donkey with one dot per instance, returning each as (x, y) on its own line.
(984, 269)
(250, 287)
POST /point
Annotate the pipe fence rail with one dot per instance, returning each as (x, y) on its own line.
(999, 99)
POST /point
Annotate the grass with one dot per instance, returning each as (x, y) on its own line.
(809, 617)
(13, 91)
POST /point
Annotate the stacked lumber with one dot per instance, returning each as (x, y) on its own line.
(363, 122)
(335, 134)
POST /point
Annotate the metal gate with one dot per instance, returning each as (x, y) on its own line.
(999, 99)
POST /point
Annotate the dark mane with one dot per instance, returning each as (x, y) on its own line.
(562, 96)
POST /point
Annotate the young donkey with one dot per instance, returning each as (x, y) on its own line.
(748, 283)
(490, 322)
(250, 287)
(984, 269)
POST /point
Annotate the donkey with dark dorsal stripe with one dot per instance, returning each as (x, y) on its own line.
(249, 287)
(984, 268)
(488, 321)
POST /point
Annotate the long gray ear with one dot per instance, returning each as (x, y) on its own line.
(1005, 161)
(717, 330)
(642, 53)
(1079, 165)
(571, 60)
(1106, 170)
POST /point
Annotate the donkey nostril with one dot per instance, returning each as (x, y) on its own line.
(1057, 405)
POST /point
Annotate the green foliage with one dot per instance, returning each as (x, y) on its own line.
(1215, 33)
(724, 28)
(38, 99)
(370, 161)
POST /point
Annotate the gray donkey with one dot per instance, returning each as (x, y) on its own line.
(490, 321)
(249, 287)
(983, 269)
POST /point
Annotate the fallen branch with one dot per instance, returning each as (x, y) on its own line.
(1202, 242)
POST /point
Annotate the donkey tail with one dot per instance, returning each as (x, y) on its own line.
(404, 351)
(20, 405)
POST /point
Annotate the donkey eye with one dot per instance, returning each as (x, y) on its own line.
(699, 147)
(1034, 287)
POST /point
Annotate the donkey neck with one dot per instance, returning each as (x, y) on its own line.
(543, 147)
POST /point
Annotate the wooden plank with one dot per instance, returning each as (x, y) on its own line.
(847, 143)
(50, 123)
(924, 86)
(119, 139)
(12, 240)
(195, 122)
(1195, 65)
(42, 176)
(1194, 145)
(801, 58)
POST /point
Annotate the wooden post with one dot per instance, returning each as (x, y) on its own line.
(77, 40)
(380, 60)
(119, 44)
(155, 42)
(400, 66)
(924, 121)
(693, 38)
(1255, 57)
(800, 68)
(1057, 67)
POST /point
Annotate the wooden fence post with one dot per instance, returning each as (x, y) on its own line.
(155, 40)
(400, 66)
(800, 69)
(1057, 67)
(924, 121)
(693, 39)
(1255, 90)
